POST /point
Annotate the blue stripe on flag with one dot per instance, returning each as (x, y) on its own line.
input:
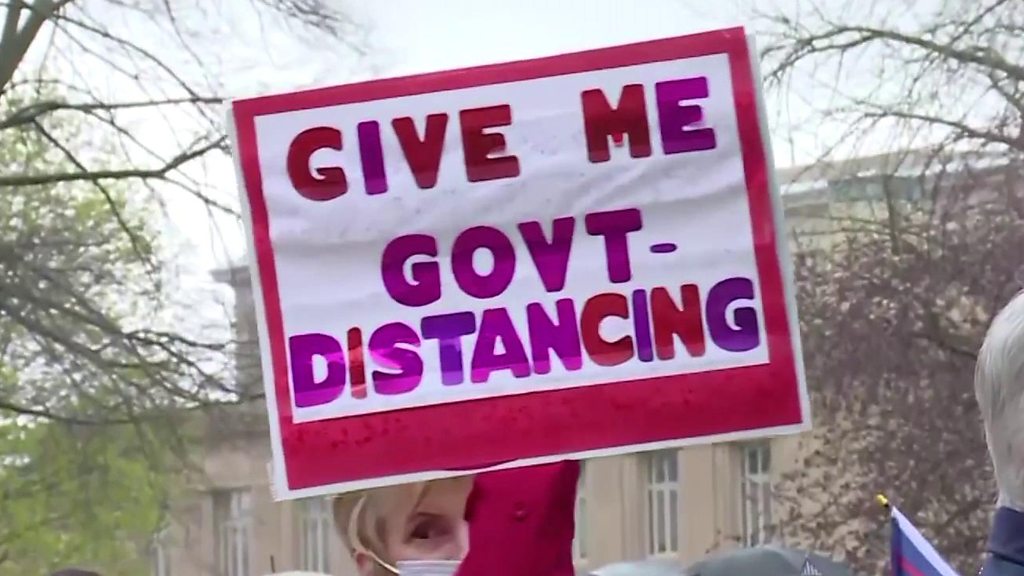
(912, 554)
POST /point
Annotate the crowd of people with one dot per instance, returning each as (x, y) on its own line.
(520, 521)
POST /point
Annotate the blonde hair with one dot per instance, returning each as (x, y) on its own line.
(359, 518)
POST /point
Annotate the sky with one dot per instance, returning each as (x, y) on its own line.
(417, 36)
(414, 36)
(400, 37)
(244, 55)
(238, 53)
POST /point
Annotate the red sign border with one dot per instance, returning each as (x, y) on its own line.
(643, 411)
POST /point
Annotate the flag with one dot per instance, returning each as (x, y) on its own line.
(809, 569)
(912, 554)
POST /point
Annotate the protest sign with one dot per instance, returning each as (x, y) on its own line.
(515, 264)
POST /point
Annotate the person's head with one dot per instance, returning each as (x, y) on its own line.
(74, 572)
(999, 386)
(421, 521)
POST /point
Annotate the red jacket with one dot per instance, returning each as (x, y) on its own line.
(521, 522)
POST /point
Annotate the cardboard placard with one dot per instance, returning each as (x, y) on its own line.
(566, 257)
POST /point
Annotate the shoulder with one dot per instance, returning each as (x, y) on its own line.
(1006, 544)
(996, 566)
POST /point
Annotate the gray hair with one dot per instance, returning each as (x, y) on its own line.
(999, 387)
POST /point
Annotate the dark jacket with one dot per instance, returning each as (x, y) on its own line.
(1006, 545)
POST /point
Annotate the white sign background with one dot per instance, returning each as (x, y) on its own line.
(328, 253)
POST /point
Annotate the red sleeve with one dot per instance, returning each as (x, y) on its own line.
(521, 522)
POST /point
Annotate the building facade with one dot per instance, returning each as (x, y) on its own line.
(675, 503)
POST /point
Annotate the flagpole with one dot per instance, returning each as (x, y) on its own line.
(883, 501)
(903, 534)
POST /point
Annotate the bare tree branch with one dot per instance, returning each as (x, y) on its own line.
(896, 288)
(100, 175)
(110, 110)
(31, 112)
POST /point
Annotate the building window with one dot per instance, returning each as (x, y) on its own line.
(232, 512)
(903, 187)
(160, 553)
(756, 494)
(662, 503)
(579, 541)
(315, 534)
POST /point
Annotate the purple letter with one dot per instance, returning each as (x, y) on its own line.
(425, 287)
(614, 226)
(550, 258)
(674, 118)
(302, 348)
(372, 156)
(448, 330)
(386, 353)
(642, 326)
(504, 254)
(745, 336)
(495, 326)
(562, 337)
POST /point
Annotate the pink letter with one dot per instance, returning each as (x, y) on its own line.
(372, 155)
(422, 154)
(595, 310)
(387, 354)
(466, 276)
(642, 326)
(745, 336)
(561, 337)
(478, 146)
(328, 183)
(674, 118)
(684, 321)
(614, 226)
(496, 325)
(425, 286)
(550, 258)
(448, 330)
(601, 120)
(302, 349)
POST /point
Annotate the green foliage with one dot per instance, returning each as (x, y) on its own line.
(86, 387)
(79, 496)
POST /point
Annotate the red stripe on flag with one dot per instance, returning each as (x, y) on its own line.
(907, 568)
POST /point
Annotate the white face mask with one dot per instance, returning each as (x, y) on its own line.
(428, 567)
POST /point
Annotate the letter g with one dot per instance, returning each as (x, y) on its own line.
(329, 182)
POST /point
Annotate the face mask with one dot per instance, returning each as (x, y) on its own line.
(428, 568)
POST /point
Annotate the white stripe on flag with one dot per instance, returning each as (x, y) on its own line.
(922, 544)
(809, 569)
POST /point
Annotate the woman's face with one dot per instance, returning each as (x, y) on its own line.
(436, 529)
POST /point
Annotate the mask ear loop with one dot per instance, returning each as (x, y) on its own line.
(357, 542)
